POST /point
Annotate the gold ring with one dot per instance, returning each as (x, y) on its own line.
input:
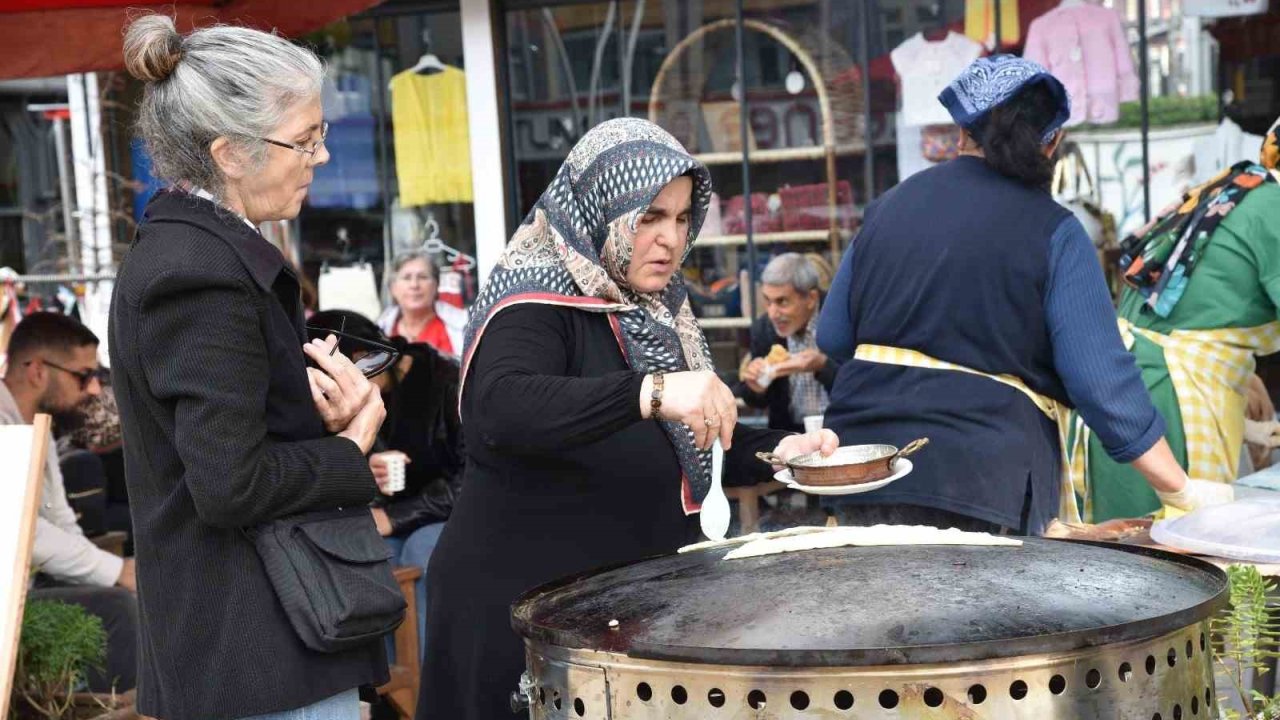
(711, 421)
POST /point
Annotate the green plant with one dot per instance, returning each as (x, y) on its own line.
(59, 643)
(1165, 112)
(1247, 636)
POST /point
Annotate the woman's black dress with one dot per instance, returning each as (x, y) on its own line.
(562, 476)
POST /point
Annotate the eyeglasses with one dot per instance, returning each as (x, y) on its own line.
(377, 358)
(84, 376)
(315, 147)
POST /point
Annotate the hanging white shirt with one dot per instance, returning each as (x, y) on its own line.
(925, 69)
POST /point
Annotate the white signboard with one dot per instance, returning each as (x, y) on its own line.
(22, 462)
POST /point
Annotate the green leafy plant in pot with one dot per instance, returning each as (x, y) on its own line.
(59, 644)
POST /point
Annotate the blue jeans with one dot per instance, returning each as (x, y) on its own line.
(343, 706)
(415, 551)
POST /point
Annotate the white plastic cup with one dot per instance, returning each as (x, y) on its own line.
(813, 423)
(765, 377)
(395, 473)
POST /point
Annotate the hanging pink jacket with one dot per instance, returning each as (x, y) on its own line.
(1085, 47)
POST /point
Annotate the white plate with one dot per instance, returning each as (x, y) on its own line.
(902, 468)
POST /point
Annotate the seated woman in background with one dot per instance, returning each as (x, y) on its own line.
(1201, 302)
(417, 314)
(422, 427)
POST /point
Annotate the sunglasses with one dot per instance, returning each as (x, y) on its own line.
(377, 357)
(84, 376)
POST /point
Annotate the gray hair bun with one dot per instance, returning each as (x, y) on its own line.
(152, 48)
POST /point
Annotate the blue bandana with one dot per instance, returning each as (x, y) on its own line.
(990, 81)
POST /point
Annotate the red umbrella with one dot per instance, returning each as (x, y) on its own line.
(57, 37)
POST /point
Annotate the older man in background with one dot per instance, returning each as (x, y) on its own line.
(787, 373)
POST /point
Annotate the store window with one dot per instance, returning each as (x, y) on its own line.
(399, 175)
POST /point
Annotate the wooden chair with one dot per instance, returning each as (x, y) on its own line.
(402, 689)
(112, 542)
(749, 503)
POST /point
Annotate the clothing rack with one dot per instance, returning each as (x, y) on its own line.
(433, 245)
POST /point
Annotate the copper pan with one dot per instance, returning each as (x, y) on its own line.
(848, 465)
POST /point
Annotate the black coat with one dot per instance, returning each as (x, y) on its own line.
(777, 397)
(422, 422)
(220, 433)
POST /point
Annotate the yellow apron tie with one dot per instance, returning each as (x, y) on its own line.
(1209, 370)
(1073, 463)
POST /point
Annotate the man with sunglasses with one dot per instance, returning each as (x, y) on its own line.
(53, 368)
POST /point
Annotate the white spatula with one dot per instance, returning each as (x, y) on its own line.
(715, 507)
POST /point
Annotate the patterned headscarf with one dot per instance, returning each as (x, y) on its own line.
(575, 246)
(991, 81)
(1158, 260)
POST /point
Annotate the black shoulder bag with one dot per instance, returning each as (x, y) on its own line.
(332, 573)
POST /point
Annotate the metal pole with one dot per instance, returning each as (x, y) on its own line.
(1144, 81)
(64, 187)
(384, 154)
(740, 60)
(864, 61)
(998, 18)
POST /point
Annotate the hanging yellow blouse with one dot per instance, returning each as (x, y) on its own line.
(980, 22)
(433, 146)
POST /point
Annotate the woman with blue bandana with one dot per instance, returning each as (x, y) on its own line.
(972, 310)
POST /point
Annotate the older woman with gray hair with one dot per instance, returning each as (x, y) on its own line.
(417, 313)
(225, 426)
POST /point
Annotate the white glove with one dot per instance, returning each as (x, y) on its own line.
(1263, 434)
(1197, 494)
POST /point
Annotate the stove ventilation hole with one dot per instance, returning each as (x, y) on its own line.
(756, 699)
(1208, 699)
(643, 691)
(888, 699)
(1018, 690)
(679, 695)
(799, 700)
(1195, 706)
(542, 696)
(555, 700)
(1190, 649)
(1093, 679)
(715, 697)
(843, 700)
(579, 707)
(1151, 665)
(1173, 657)
(1202, 642)
(1157, 716)
(1126, 672)
(1057, 684)
(1177, 712)
(933, 697)
(977, 695)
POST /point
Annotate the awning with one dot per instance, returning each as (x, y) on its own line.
(58, 37)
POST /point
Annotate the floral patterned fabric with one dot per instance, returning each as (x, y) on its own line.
(575, 246)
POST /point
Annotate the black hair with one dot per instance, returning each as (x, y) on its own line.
(1012, 136)
(47, 331)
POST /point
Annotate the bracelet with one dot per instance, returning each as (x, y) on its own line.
(655, 397)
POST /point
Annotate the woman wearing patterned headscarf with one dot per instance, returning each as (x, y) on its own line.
(1203, 291)
(589, 407)
(975, 314)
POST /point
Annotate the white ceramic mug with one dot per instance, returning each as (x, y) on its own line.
(813, 423)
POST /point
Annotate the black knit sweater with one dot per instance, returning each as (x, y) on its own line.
(220, 433)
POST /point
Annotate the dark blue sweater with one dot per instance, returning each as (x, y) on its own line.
(970, 267)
